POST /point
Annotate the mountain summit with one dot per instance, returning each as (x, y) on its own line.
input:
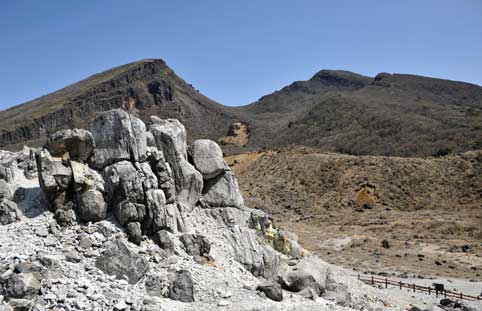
(335, 110)
(147, 87)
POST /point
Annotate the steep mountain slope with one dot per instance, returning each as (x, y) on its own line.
(339, 111)
(147, 87)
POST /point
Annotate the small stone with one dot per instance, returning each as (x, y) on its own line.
(42, 232)
(223, 303)
(121, 305)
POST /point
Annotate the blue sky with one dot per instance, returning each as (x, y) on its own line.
(234, 51)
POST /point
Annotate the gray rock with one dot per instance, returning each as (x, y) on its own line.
(258, 258)
(182, 286)
(78, 143)
(163, 171)
(119, 260)
(19, 304)
(163, 239)
(230, 216)
(9, 212)
(159, 214)
(54, 175)
(170, 137)
(307, 273)
(123, 182)
(91, 206)
(118, 136)
(207, 157)
(22, 285)
(149, 179)
(65, 218)
(127, 212)
(222, 191)
(85, 178)
(134, 232)
(195, 245)
(5, 190)
(272, 290)
(157, 286)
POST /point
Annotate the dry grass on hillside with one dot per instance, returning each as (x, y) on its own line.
(427, 208)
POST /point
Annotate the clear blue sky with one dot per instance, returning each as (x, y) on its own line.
(235, 51)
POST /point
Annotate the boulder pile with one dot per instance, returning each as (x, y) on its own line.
(151, 181)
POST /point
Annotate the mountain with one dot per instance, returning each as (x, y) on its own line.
(335, 111)
(144, 88)
(391, 114)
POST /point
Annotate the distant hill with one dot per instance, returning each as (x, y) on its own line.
(336, 111)
(147, 87)
(344, 112)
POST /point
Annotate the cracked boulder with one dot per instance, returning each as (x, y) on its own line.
(307, 276)
(207, 158)
(118, 136)
(170, 137)
(159, 214)
(55, 174)
(91, 206)
(119, 260)
(182, 286)
(257, 257)
(123, 182)
(79, 143)
(222, 191)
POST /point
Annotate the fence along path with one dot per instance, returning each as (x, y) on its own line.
(426, 289)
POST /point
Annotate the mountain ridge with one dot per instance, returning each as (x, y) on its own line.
(333, 111)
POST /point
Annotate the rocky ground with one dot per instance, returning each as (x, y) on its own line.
(142, 222)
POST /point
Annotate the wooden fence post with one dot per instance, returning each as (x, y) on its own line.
(386, 283)
(373, 282)
(429, 292)
(414, 287)
(445, 293)
(400, 284)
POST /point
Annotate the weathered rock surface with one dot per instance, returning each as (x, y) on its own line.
(55, 174)
(22, 285)
(9, 212)
(118, 136)
(222, 191)
(307, 273)
(170, 137)
(119, 260)
(182, 287)
(272, 290)
(259, 259)
(207, 157)
(91, 206)
(195, 245)
(79, 143)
